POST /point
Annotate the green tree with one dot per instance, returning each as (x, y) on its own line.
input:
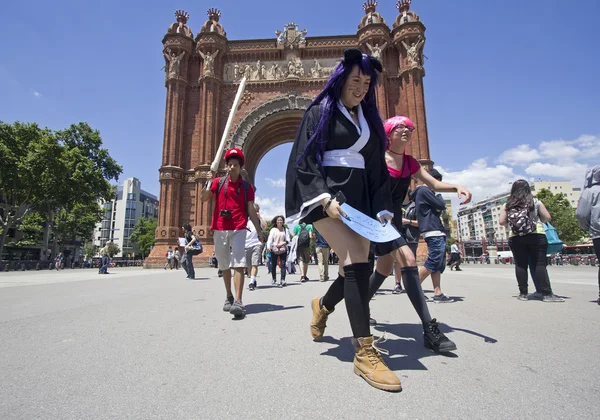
(29, 165)
(78, 221)
(143, 235)
(87, 169)
(51, 172)
(113, 249)
(563, 217)
(31, 228)
(89, 250)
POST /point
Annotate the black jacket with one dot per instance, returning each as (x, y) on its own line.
(429, 208)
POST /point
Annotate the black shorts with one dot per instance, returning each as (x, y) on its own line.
(389, 247)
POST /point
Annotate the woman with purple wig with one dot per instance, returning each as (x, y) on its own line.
(339, 156)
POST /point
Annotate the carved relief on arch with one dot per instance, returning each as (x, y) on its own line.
(280, 103)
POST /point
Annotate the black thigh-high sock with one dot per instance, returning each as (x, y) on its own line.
(375, 282)
(356, 295)
(334, 294)
(412, 284)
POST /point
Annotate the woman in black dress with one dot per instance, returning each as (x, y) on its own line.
(338, 155)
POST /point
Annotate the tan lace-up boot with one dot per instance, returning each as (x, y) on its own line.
(370, 366)
(319, 319)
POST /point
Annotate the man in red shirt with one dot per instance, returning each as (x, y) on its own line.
(234, 203)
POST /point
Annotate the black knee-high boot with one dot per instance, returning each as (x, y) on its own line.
(356, 295)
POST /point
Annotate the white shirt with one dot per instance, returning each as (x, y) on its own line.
(251, 236)
(454, 249)
(277, 237)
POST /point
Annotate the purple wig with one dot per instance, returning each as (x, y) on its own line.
(332, 92)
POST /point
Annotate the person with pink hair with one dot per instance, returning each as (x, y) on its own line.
(401, 167)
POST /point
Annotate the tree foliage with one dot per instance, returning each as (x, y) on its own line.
(563, 216)
(78, 221)
(113, 249)
(143, 235)
(56, 173)
(89, 250)
(31, 228)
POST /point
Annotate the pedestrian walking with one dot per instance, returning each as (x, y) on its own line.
(322, 250)
(105, 261)
(234, 204)
(169, 256)
(455, 256)
(254, 249)
(588, 212)
(338, 156)
(524, 215)
(278, 241)
(304, 232)
(176, 257)
(187, 261)
(401, 167)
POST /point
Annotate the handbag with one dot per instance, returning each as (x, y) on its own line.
(195, 248)
(554, 243)
(278, 250)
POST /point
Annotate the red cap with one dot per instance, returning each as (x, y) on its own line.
(235, 153)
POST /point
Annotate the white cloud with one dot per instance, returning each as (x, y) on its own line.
(571, 171)
(270, 207)
(558, 150)
(279, 183)
(521, 154)
(482, 180)
(36, 94)
(564, 160)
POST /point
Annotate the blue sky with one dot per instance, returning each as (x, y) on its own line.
(512, 89)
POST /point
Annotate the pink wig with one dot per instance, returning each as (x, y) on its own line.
(390, 124)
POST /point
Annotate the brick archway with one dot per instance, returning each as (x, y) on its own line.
(268, 125)
(284, 74)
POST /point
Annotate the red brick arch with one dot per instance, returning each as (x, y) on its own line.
(284, 74)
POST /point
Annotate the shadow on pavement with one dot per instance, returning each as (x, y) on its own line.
(256, 308)
(276, 286)
(405, 351)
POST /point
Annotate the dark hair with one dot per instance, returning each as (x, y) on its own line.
(274, 221)
(435, 173)
(332, 92)
(187, 227)
(520, 196)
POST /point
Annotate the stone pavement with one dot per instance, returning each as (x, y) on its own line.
(149, 344)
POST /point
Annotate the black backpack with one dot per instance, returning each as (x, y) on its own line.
(520, 221)
(303, 237)
(246, 186)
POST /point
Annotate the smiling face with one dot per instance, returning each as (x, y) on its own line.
(355, 88)
(279, 222)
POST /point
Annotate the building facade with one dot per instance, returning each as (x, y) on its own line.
(480, 221)
(558, 187)
(121, 214)
(283, 75)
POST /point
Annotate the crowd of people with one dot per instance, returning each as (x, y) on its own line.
(344, 153)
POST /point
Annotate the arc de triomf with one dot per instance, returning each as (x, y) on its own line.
(283, 75)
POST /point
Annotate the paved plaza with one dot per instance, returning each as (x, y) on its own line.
(149, 344)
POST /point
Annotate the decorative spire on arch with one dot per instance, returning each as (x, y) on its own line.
(212, 24)
(403, 6)
(213, 14)
(371, 14)
(182, 16)
(370, 6)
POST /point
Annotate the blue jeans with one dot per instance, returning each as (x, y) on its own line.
(436, 254)
(105, 263)
(188, 265)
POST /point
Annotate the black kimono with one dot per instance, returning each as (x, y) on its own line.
(366, 188)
